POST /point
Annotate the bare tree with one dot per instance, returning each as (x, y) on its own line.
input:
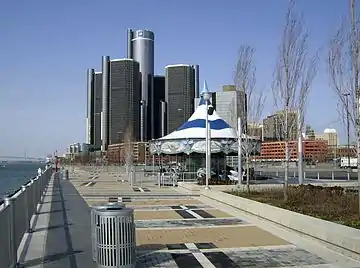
(251, 108)
(294, 73)
(128, 149)
(343, 66)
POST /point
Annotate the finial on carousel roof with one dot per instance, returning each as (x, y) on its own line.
(205, 94)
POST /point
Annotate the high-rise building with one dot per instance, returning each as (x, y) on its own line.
(159, 101)
(141, 49)
(179, 94)
(90, 119)
(274, 126)
(97, 109)
(230, 105)
(124, 100)
(105, 103)
(227, 88)
(256, 130)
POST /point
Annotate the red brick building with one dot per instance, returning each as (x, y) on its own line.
(314, 150)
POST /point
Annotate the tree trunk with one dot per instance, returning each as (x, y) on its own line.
(247, 173)
(287, 156)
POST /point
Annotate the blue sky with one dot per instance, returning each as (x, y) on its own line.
(46, 47)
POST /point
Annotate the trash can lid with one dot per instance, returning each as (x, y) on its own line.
(109, 206)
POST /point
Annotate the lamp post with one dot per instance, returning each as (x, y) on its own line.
(206, 97)
(346, 95)
(239, 151)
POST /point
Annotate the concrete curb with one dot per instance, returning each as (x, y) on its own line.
(335, 234)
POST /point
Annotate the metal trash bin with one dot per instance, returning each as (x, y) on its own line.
(114, 241)
(93, 215)
(65, 174)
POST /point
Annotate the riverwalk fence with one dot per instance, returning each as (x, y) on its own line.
(16, 211)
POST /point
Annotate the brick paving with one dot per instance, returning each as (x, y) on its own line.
(181, 231)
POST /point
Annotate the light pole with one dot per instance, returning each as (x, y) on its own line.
(206, 97)
(239, 151)
(346, 95)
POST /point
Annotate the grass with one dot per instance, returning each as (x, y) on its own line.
(327, 203)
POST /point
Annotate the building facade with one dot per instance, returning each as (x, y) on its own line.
(230, 105)
(313, 150)
(97, 109)
(179, 94)
(124, 100)
(105, 102)
(90, 119)
(159, 99)
(274, 126)
(141, 49)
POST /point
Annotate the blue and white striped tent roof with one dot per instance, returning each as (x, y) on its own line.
(194, 127)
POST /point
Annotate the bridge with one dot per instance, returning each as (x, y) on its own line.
(21, 158)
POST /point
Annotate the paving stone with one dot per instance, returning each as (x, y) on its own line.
(221, 237)
(147, 215)
(274, 257)
(187, 223)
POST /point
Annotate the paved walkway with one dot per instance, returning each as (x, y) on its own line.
(174, 229)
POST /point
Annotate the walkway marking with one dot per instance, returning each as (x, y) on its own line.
(197, 216)
(199, 255)
(141, 189)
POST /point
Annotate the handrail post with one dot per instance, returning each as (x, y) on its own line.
(33, 186)
(26, 207)
(9, 201)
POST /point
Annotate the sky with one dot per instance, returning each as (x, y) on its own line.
(46, 47)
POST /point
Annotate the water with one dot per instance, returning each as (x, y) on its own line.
(16, 174)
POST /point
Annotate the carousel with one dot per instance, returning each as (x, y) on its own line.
(190, 139)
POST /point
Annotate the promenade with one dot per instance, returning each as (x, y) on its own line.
(175, 228)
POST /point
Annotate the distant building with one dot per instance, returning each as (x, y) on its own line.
(141, 49)
(230, 105)
(309, 132)
(274, 126)
(124, 100)
(313, 150)
(97, 109)
(159, 100)
(90, 105)
(256, 130)
(179, 94)
(227, 88)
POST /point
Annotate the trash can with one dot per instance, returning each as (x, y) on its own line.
(65, 174)
(114, 236)
(93, 215)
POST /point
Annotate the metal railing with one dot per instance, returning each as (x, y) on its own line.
(16, 211)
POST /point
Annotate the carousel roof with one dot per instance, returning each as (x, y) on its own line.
(194, 127)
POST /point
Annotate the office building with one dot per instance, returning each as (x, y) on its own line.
(140, 47)
(227, 88)
(90, 119)
(97, 109)
(159, 102)
(105, 103)
(230, 105)
(256, 130)
(124, 101)
(179, 94)
(274, 126)
(313, 150)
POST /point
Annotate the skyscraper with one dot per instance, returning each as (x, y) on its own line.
(90, 123)
(230, 105)
(179, 94)
(105, 103)
(124, 100)
(141, 49)
(159, 99)
(97, 109)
